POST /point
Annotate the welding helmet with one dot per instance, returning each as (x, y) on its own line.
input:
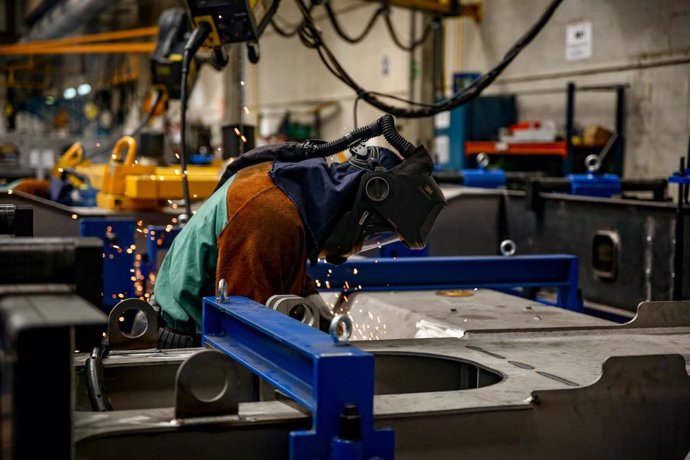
(396, 204)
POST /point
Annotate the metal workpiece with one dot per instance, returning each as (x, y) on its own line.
(643, 237)
(295, 307)
(16, 220)
(218, 394)
(532, 393)
(75, 262)
(37, 339)
(451, 313)
(143, 332)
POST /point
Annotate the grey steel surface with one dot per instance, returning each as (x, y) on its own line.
(475, 223)
(603, 391)
(36, 344)
(426, 314)
(470, 225)
(568, 224)
(209, 383)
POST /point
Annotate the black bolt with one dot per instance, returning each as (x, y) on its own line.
(350, 423)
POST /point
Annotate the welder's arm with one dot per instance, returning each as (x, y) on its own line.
(262, 250)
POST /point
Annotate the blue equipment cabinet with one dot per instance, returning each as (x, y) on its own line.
(118, 256)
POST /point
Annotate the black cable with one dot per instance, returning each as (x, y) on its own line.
(362, 35)
(191, 47)
(310, 36)
(95, 381)
(354, 112)
(415, 43)
(282, 32)
(384, 125)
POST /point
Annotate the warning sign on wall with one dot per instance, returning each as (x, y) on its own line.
(578, 41)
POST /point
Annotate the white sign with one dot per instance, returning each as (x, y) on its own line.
(442, 120)
(442, 149)
(578, 41)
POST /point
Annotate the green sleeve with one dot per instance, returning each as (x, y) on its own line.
(188, 271)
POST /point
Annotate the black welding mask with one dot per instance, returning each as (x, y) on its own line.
(397, 204)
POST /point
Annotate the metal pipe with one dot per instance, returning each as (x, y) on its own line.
(90, 38)
(569, 127)
(679, 246)
(594, 71)
(108, 48)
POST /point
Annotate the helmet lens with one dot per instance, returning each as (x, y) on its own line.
(377, 240)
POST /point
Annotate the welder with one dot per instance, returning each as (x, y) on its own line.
(279, 206)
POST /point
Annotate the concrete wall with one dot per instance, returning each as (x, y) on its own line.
(643, 43)
(292, 77)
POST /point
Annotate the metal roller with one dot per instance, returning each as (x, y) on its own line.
(72, 261)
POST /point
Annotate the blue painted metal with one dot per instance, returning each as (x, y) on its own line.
(680, 177)
(399, 249)
(599, 185)
(200, 159)
(484, 178)
(118, 255)
(307, 366)
(159, 238)
(558, 271)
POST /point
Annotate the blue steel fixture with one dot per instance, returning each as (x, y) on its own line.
(593, 184)
(335, 383)
(484, 178)
(118, 256)
(159, 238)
(558, 271)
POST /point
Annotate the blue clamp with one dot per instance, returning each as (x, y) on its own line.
(200, 159)
(311, 369)
(680, 177)
(598, 185)
(484, 178)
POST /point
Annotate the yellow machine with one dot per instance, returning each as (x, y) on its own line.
(115, 173)
(72, 158)
(124, 184)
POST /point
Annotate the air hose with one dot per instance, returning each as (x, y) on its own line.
(384, 125)
(191, 47)
(95, 381)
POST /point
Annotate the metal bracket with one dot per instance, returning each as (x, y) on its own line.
(147, 339)
(660, 314)
(210, 372)
(295, 307)
(305, 365)
(493, 272)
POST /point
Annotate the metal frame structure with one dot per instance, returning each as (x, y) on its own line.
(558, 271)
(326, 378)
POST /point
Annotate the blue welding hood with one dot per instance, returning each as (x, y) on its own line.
(375, 198)
(322, 192)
